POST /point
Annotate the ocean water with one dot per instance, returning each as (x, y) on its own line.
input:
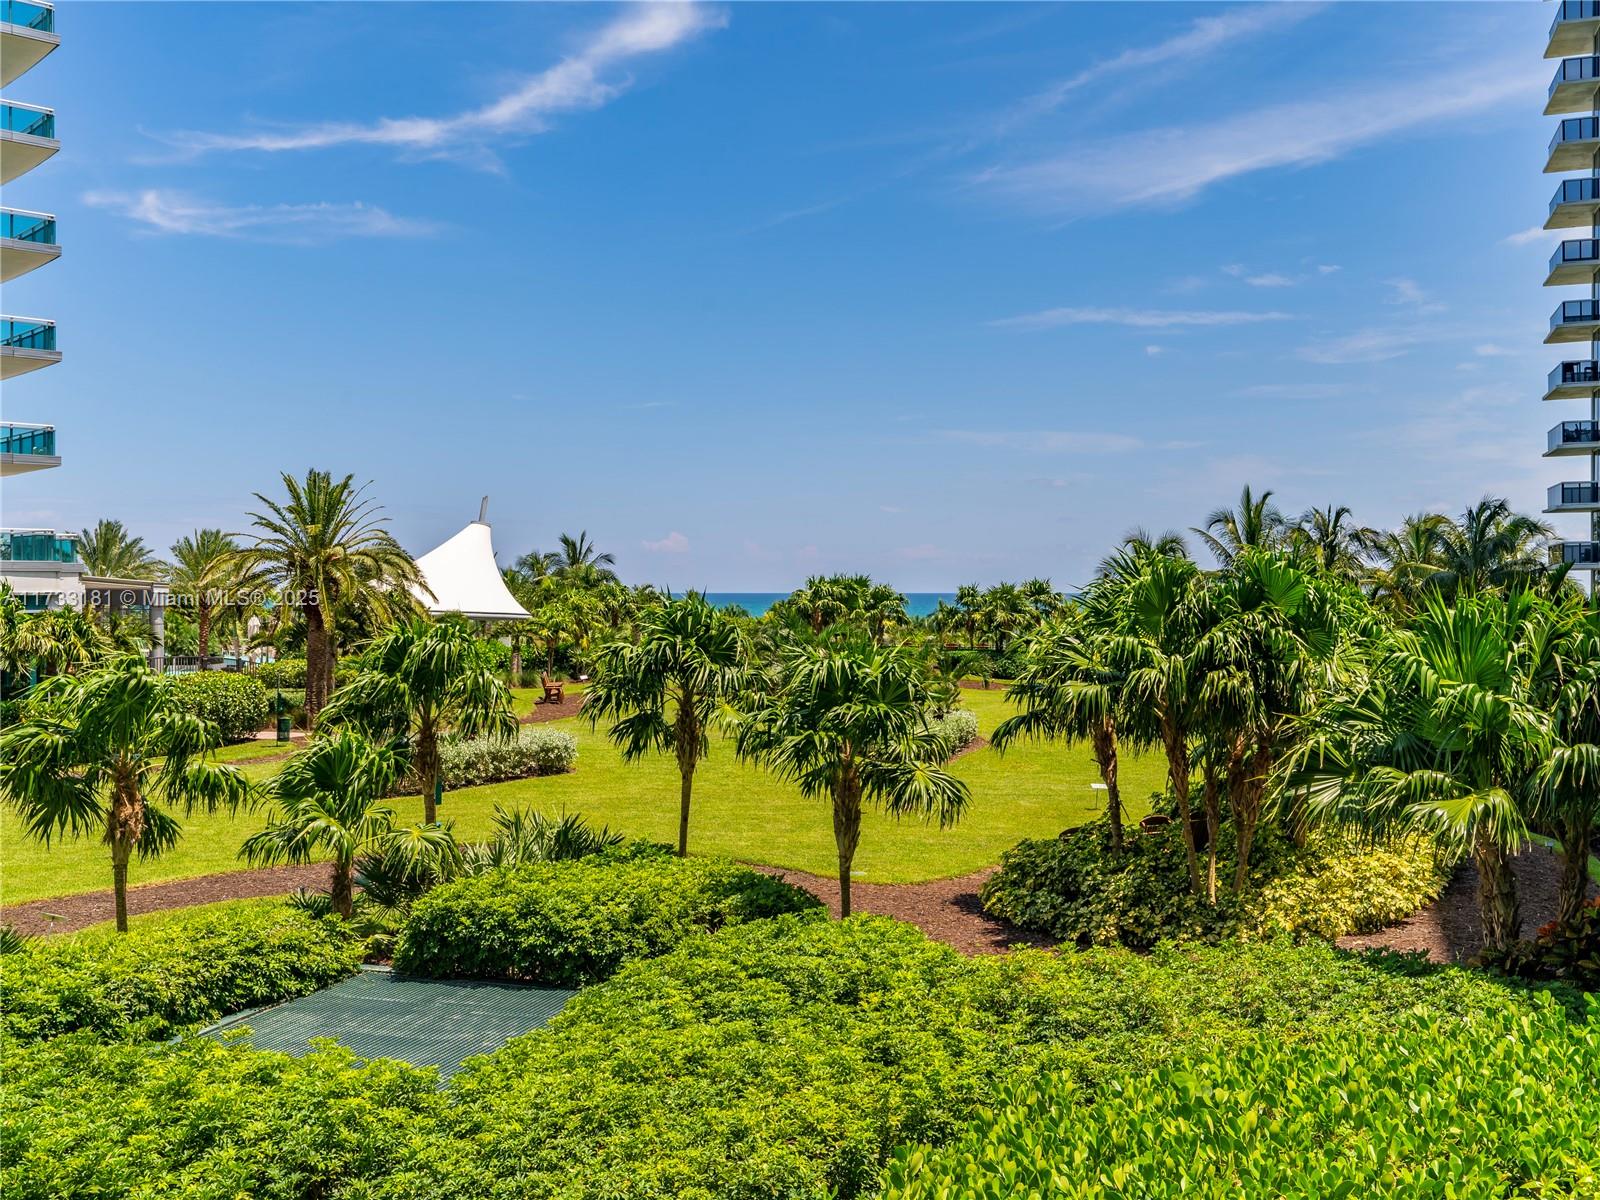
(918, 604)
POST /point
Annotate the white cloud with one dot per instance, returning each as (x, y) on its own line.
(673, 543)
(582, 80)
(1138, 318)
(1268, 279)
(1115, 172)
(1534, 233)
(1048, 441)
(1153, 351)
(1363, 346)
(1409, 293)
(1491, 350)
(1327, 268)
(161, 211)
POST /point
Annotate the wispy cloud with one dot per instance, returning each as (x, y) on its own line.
(1048, 441)
(586, 79)
(162, 211)
(1534, 233)
(1408, 293)
(673, 543)
(1292, 391)
(1115, 172)
(1138, 318)
(1364, 346)
(1264, 279)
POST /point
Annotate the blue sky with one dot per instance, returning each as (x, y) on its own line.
(943, 293)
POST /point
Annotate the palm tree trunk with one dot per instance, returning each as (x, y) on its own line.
(1497, 894)
(119, 882)
(316, 663)
(1178, 776)
(1573, 836)
(342, 888)
(428, 770)
(204, 617)
(516, 664)
(685, 790)
(124, 827)
(1105, 757)
(1213, 809)
(846, 832)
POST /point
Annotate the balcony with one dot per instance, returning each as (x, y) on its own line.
(27, 138)
(1573, 497)
(37, 546)
(1574, 321)
(27, 34)
(26, 344)
(1576, 379)
(1575, 205)
(25, 448)
(1576, 260)
(1574, 437)
(1576, 86)
(1573, 31)
(27, 241)
(1574, 146)
(1583, 555)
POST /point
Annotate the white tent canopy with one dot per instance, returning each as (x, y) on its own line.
(464, 578)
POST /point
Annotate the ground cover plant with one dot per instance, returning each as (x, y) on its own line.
(1077, 889)
(564, 924)
(195, 966)
(1469, 1106)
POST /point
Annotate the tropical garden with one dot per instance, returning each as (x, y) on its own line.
(1193, 777)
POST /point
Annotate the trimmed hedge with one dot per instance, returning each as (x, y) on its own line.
(485, 760)
(1481, 1105)
(1073, 887)
(564, 924)
(236, 702)
(282, 673)
(192, 967)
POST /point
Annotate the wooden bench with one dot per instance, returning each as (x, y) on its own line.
(553, 692)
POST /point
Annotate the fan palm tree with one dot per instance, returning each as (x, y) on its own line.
(662, 691)
(329, 800)
(537, 564)
(1565, 791)
(325, 549)
(206, 573)
(1256, 522)
(418, 680)
(969, 599)
(113, 752)
(22, 643)
(846, 719)
(108, 551)
(1005, 612)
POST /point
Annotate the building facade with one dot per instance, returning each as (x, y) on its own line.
(1575, 151)
(41, 565)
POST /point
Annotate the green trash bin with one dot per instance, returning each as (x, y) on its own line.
(283, 719)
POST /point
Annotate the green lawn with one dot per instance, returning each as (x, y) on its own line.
(1034, 791)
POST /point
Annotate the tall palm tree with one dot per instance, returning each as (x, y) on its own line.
(1329, 537)
(325, 549)
(847, 719)
(537, 564)
(1565, 791)
(969, 599)
(1256, 522)
(206, 573)
(1005, 612)
(581, 560)
(329, 800)
(1404, 562)
(113, 752)
(418, 680)
(108, 551)
(1491, 545)
(662, 691)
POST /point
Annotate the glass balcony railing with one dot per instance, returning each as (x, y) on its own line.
(1566, 494)
(36, 545)
(22, 333)
(1575, 312)
(1573, 129)
(1576, 250)
(1575, 373)
(1575, 10)
(1577, 554)
(27, 439)
(23, 226)
(1575, 433)
(1576, 191)
(40, 17)
(24, 118)
(1575, 70)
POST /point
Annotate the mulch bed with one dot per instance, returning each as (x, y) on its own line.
(554, 712)
(1449, 931)
(972, 747)
(947, 910)
(64, 914)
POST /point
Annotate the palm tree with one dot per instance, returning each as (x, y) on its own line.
(537, 564)
(847, 719)
(326, 551)
(1441, 738)
(109, 552)
(1565, 792)
(21, 643)
(1328, 537)
(581, 561)
(205, 573)
(882, 608)
(1005, 611)
(418, 680)
(70, 639)
(1068, 690)
(330, 801)
(969, 599)
(113, 752)
(1256, 522)
(662, 691)
(1404, 561)
(1490, 545)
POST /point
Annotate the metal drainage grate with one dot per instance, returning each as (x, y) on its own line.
(424, 1022)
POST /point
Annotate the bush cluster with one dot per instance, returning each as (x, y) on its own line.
(235, 701)
(468, 763)
(192, 967)
(958, 727)
(1562, 950)
(564, 924)
(1481, 1105)
(1075, 889)
(283, 673)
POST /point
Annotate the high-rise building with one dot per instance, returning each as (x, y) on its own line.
(1575, 40)
(41, 565)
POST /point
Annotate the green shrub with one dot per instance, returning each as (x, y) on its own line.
(1483, 1105)
(1074, 888)
(236, 702)
(958, 727)
(193, 967)
(284, 673)
(485, 760)
(1564, 950)
(203, 1121)
(569, 923)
